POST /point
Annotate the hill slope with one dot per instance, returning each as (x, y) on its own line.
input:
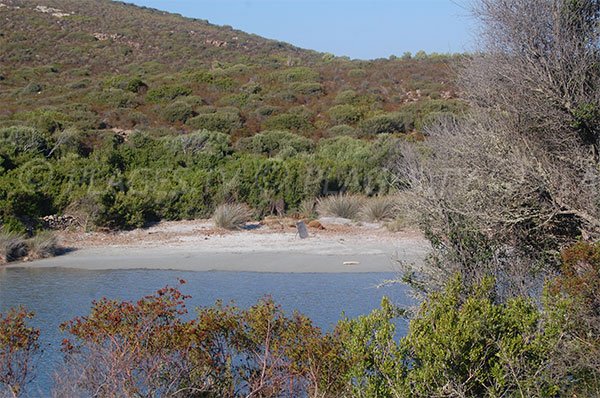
(100, 64)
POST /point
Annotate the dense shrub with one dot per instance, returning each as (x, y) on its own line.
(287, 121)
(178, 112)
(18, 347)
(224, 122)
(167, 93)
(345, 114)
(386, 123)
(272, 143)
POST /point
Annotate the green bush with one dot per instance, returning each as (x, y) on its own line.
(287, 121)
(297, 74)
(345, 114)
(114, 97)
(464, 343)
(306, 88)
(224, 122)
(342, 129)
(272, 143)
(177, 111)
(386, 124)
(167, 93)
(347, 97)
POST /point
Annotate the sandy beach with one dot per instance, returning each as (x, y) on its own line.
(272, 246)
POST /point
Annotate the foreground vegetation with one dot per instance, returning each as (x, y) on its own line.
(460, 343)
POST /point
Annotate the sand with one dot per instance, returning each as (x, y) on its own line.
(271, 246)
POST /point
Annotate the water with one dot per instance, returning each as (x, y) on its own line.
(57, 295)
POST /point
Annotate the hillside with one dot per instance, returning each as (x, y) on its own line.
(98, 64)
(139, 115)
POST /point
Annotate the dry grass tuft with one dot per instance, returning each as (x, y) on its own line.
(232, 216)
(345, 206)
(12, 246)
(43, 245)
(380, 208)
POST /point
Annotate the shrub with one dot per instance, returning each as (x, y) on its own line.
(12, 246)
(380, 208)
(42, 245)
(18, 346)
(224, 122)
(297, 74)
(272, 143)
(357, 74)
(349, 97)
(177, 112)
(387, 123)
(345, 114)
(167, 93)
(345, 206)
(114, 97)
(287, 121)
(232, 216)
(462, 343)
(342, 129)
(306, 88)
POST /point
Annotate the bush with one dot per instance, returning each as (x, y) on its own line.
(387, 123)
(18, 346)
(224, 122)
(177, 112)
(462, 343)
(167, 93)
(347, 97)
(298, 74)
(272, 143)
(306, 88)
(232, 216)
(345, 114)
(380, 208)
(345, 206)
(287, 121)
(342, 129)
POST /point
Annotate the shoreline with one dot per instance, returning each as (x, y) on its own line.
(342, 247)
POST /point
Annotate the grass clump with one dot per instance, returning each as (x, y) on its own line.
(345, 206)
(380, 208)
(12, 246)
(232, 215)
(42, 245)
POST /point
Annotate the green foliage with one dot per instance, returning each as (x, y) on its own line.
(273, 143)
(178, 111)
(386, 124)
(463, 343)
(345, 114)
(298, 74)
(373, 357)
(225, 122)
(167, 93)
(287, 121)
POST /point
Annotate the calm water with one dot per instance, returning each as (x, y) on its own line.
(57, 295)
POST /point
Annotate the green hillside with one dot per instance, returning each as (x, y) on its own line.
(113, 89)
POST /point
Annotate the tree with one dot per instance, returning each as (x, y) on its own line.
(505, 187)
